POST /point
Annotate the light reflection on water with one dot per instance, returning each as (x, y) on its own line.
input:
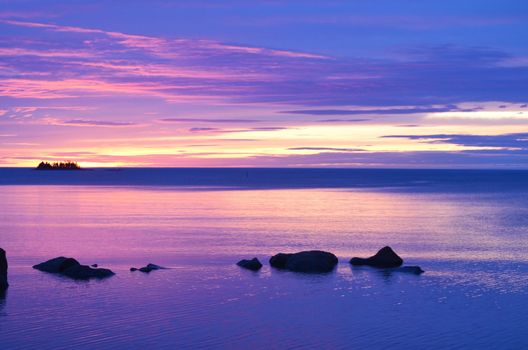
(473, 247)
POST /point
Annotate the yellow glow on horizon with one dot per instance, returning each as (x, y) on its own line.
(502, 114)
(169, 150)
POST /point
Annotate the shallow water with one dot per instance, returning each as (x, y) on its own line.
(472, 244)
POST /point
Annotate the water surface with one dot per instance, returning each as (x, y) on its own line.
(471, 240)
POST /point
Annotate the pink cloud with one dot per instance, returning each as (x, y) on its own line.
(164, 47)
(261, 51)
(16, 51)
(70, 88)
(161, 70)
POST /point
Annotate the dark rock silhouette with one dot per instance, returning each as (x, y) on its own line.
(3, 295)
(71, 268)
(313, 261)
(56, 265)
(86, 272)
(3, 270)
(253, 264)
(148, 268)
(384, 258)
(58, 166)
(279, 260)
(94, 265)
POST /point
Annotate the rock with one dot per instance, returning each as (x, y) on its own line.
(148, 268)
(71, 268)
(417, 270)
(56, 265)
(94, 265)
(253, 264)
(384, 258)
(279, 260)
(313, 261)
(83, 272)
(3, 270)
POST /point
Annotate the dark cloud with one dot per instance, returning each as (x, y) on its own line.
(516, 141)
(265, 128)
(413, 110)
(325, 149)
(342, 120)
(209, 120)
(202, 129)
(84, 122)
(269, 128)
(423, 159)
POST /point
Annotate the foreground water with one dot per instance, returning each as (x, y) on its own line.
(468, 230)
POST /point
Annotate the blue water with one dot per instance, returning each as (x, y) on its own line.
(259, 178)
(467, 229)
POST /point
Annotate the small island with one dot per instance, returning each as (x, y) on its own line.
(58, 166)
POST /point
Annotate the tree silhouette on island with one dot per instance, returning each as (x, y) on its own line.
(58, 166)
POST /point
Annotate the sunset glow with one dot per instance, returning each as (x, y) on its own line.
(169, 93)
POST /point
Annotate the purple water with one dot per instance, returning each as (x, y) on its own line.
(472, 242)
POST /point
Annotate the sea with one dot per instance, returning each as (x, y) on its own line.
(467, 229)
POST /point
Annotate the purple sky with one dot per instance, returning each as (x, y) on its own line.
(383, 83)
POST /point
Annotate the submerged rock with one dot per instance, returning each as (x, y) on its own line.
(71, 268)
(384, 258)
(148, 268)
(417, 270)
(253, 264)
(3, 270)
(313, 261)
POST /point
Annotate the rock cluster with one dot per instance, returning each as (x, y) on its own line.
(69, 267)
(317, 261)
(148, 268)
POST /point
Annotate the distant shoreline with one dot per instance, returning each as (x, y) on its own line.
(58, 166)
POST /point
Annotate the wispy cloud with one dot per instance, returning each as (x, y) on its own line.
(208, 120)
(337, 149)
(94, 62)
(73, 154)
(120, 93)
(378, 111)
(161, 46)
(202, 129)
(82, 122)
(354, 120)
(517, 141)
(225, 131)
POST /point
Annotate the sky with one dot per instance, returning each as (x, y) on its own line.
(380, 83)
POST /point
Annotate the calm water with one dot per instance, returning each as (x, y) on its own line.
(468, 230)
